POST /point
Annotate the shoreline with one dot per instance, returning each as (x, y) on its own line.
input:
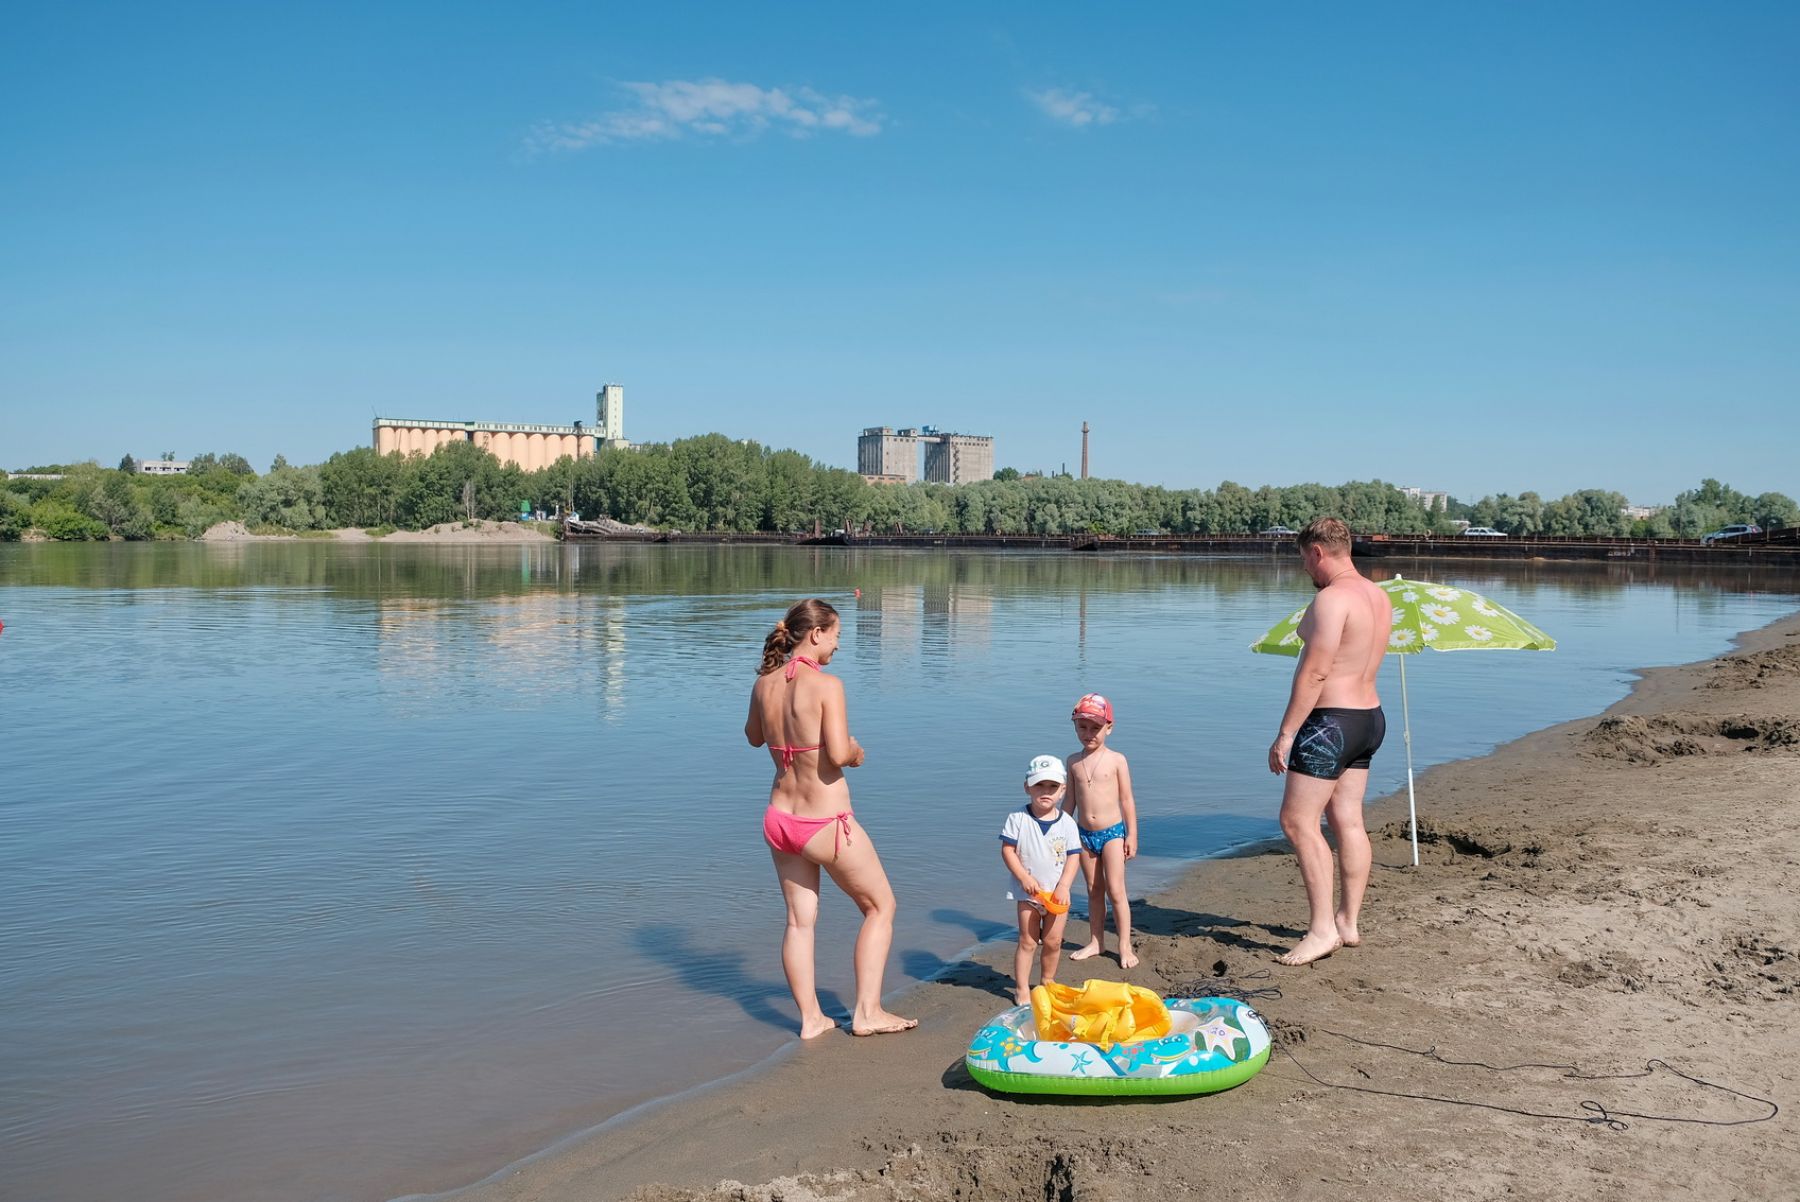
(1223, 918)
(480, 531)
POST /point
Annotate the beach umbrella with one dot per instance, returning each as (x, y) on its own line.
(1438, 616)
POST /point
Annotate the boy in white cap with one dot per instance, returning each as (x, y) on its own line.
(1037, 845)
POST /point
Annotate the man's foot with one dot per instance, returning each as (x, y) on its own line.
(1347, 931)
(815, 1027)
(1087, 952)
(882, 1023)
(1313, 947)
(1128, 959)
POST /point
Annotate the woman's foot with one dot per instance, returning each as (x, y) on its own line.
(812, 1028)
(1313, 947)
(1091, 949)
(881, 1023)
(1347, 931)
(1128, 959)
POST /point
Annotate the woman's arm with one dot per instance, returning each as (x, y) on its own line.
(834, 732)
(753, 729)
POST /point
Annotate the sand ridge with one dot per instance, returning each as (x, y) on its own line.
(1600, 910)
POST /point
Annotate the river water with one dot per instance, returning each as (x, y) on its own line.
(335, 871)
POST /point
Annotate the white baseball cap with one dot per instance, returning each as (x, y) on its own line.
(1046, 767)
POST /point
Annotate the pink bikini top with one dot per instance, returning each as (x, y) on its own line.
(787, 754)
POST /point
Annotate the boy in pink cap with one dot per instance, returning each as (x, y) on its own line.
(1100, 798)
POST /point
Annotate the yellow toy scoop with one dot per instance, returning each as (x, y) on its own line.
(1102, 1012)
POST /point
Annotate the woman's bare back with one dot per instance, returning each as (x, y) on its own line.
(795, 716)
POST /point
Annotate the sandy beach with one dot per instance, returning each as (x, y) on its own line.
(482, 531)
(1602, 935)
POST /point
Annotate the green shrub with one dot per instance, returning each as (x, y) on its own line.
(14, 517)
(63, 522)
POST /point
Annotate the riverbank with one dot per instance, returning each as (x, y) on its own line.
(481, 531)
(1612, 893)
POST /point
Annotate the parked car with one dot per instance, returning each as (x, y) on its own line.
(1277, 532)
(1729, 532)
(1482, 532)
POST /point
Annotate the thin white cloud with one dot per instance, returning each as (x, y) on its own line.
(713, 108)
(1079, 109)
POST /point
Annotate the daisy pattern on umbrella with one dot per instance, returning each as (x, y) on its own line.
(1443, 615)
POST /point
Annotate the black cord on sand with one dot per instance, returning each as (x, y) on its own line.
(1596, 1113)
(1220, 985)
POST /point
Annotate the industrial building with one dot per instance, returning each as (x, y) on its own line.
(529, 447)
(885, 455)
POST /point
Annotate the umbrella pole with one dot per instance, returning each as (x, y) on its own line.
(1412, 807)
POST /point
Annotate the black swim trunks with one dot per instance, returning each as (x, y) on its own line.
(1333, 740)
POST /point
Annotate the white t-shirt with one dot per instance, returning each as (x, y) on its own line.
(1042, 846)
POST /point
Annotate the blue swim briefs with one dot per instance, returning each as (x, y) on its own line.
(1093, 841)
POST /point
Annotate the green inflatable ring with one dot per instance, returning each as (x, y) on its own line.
(1214, 1044)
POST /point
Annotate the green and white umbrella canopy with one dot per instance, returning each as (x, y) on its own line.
(1438, 616)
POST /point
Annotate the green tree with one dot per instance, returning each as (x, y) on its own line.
(789, 491)
(361, 488)
(128, 465)
(289, 497)
(15, 517)
(1007, 473)
(1773, 511)
(115, 505)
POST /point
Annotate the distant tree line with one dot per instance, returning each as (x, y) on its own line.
(715, 483)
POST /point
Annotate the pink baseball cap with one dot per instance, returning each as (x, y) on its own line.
(1094, 706)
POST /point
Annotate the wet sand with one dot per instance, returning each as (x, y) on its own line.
(1608, 903)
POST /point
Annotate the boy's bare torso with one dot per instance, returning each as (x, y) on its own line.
(1094, 788)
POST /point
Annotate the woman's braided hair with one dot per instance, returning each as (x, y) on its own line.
(803, 616)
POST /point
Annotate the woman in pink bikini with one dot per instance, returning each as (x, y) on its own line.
(797, 711)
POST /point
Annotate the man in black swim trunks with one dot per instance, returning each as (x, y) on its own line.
(1332, 726)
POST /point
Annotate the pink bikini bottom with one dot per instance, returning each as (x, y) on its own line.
(789, 832)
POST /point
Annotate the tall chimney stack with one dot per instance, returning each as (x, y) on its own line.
(1084, 434)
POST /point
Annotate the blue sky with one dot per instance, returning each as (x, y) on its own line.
(1479, 248)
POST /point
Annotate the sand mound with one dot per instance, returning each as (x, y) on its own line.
(470, 532)
(1664, 737)
(227, 532)
(1754, 671)
(1486, 843)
